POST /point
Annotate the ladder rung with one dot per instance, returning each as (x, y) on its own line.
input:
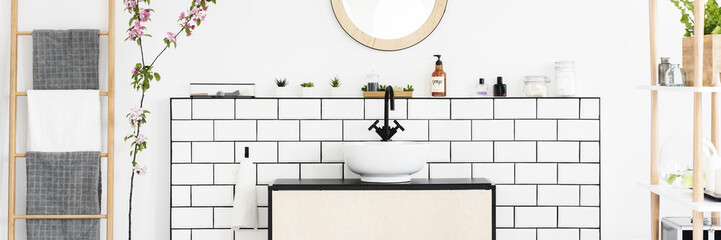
(60, 216)
(23, 155)
(25, 94)
(31, 33)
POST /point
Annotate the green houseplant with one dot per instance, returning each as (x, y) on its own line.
(335, 86)
(712, 41)
(307, 89)
(281, 90)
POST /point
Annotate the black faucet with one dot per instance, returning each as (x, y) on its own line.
(386, 132)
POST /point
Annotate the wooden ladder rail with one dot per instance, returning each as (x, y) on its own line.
(13, 155)
(655, 199)
(697, 122)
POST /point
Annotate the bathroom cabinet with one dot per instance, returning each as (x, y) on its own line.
(350, 209)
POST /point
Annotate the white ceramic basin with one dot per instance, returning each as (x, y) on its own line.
(385, 161)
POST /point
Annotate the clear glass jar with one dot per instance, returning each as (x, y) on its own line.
(372, 79)
(675, 76)
(536, 86)
(566, 78)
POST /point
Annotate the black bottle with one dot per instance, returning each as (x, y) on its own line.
(499, 89)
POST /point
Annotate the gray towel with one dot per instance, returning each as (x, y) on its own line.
(65, 59)
(63, 183)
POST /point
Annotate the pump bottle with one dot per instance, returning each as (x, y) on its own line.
(438, 79)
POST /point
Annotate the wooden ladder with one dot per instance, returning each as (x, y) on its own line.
(14, 94)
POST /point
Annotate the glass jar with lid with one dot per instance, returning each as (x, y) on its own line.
(566, 78)
(536, 86)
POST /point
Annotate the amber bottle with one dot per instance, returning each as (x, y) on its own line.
(438, 79)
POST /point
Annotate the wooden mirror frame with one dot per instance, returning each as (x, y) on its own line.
(389, 44)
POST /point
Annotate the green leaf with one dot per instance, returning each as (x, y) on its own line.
(716, 30)
(157, 76)
(671, 179)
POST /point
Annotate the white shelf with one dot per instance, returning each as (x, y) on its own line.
(683, 196)
(679, 89)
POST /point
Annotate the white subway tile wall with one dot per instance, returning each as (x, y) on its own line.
(213, 109)
(429, 108)
(321, 130)
(299, 108)
(535, 130)
(558, 108)
(471, 108)
(523, 108)
(235, 130)
(374, 109)
(472, 151)
(256, 109)
(492, 130)
(342, 108)
(543, 154)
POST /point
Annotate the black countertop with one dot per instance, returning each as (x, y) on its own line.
(356, 184)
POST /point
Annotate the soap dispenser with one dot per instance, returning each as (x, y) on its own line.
(438, 79)
(499, 90)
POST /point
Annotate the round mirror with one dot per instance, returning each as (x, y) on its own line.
(389, 24)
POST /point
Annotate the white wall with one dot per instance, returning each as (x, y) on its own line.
(259, 40)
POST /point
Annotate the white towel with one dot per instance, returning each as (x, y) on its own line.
(245, 205)
(64, 120)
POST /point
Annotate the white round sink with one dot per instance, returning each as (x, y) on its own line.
(386, 162)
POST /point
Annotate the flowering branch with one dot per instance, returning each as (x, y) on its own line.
(143, 75)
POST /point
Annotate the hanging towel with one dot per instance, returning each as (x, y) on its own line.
(245, 205)
(66, 59)
(64, 120)
(63, 183)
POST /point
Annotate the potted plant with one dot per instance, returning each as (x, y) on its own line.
(281, 91)
(399, 92)
(712, 41)
(335, 86)
(307, 89)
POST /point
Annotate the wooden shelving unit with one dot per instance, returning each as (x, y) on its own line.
(693, 198)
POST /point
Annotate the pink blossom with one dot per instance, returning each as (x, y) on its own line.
(144, 15)
(171, 37)
(136, 70)
(130, 4)
(136, 31)
(140, 139)
(182, 15)
(140, 170)
(135, 116)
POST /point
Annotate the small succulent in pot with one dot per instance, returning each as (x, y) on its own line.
(335, 86)
(281, 91)
(281, 82)
(307, 89)
(335, 82)
(409, 88)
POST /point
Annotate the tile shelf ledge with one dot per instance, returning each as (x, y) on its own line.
(683, 196)
(679, 89)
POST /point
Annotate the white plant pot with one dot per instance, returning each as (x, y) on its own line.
(335, 92)
(281, 92)
(307, 91)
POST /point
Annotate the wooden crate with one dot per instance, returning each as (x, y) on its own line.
(381, 94)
